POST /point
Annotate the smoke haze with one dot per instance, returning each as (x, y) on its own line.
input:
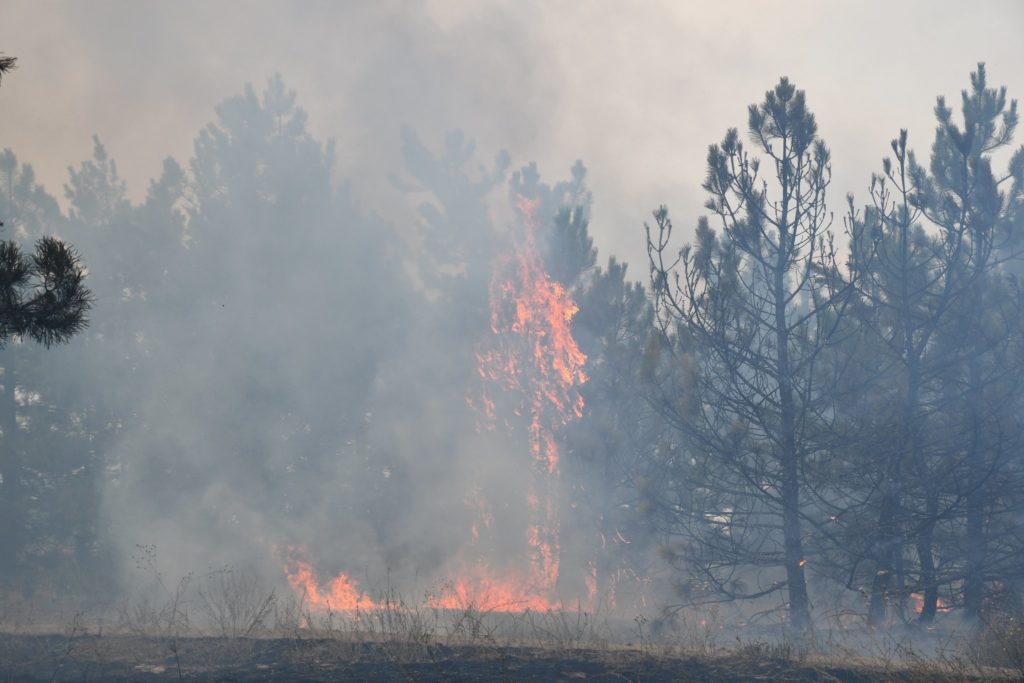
(633, 89)
(293, 253)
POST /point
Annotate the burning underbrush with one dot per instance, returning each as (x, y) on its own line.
(229, 625)
(529, 373)
(507, 600)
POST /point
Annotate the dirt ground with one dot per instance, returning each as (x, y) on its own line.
(39, 658)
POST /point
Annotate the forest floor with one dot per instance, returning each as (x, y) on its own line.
(32, 658)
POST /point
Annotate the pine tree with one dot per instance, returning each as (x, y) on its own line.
(43, 298)
(744, 317)
(42, 295)
(907, 295)
(976, 215)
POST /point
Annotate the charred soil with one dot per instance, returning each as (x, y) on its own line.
(49, 658)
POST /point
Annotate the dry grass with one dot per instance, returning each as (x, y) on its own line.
(232, 625)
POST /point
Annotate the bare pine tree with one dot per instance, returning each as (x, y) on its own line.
(745, 316)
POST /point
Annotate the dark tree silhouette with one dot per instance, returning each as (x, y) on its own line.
(42, 296)
(7, 64)
(744, 319)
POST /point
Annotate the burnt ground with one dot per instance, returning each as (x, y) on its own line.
(40, 658)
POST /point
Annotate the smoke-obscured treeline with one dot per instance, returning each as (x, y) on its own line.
(815, 402)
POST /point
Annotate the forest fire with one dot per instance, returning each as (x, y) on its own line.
(917, 602)
(341, 595)
(532, 358)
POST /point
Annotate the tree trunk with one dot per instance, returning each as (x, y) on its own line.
(884, 545)
(973, 578)
(796, 582)
(799, 604)
(926, 558)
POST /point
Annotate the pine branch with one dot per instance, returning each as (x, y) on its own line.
(7, 64)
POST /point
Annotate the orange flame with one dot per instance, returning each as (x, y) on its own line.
(340, 596)
(533, 356)
(486, 590)
(530, 309)
(917, 599)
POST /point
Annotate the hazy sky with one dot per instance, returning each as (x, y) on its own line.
(636, 89)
